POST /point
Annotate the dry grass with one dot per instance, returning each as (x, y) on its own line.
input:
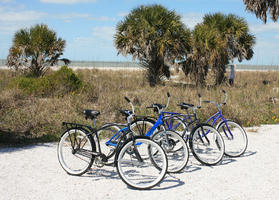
(250, 101)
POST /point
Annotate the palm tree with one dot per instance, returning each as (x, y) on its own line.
(262, 7)
(156, 37)
(218, 40)
(196, 63)
(35, 49)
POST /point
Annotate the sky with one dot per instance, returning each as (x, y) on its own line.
(88, 26)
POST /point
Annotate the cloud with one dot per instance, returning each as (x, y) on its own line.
(122, 14)
(14, 19)
(67, 17)
(104, 32)
(192, 19)
(19, 16)
(6, 1)
(259, 28)
(101, 36)
(67, 1)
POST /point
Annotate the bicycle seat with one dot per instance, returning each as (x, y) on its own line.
(156, 106)
(126, 113)
(185, 105)
(91, 114)
(160, 106)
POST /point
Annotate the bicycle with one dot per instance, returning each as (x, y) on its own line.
(234, 135)
(205, 142)
(172, 143)
(77, 150)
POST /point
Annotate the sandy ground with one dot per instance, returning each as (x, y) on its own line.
(33, 172)
(84, 67)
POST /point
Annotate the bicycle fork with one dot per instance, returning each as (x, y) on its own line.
(136, 151)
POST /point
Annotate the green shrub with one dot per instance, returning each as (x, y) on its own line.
(57, 83)
(66, 78)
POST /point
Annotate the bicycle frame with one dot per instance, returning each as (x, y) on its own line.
(188, 118)
(156, 125)
(113, 140)
(93, 131)
(217, 116)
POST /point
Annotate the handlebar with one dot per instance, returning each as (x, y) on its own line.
(160, 107)
(128, 100)
(168, 94)
(214, 102)
(199, 95)
(226, 96)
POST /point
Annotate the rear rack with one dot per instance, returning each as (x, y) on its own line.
(70, 125)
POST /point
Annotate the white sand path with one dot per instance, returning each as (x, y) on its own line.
(33, 172)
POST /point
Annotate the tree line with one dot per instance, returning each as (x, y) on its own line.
(157, 38)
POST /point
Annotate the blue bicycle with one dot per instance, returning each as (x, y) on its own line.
(234, 136)
(172, 143)
(205, 142)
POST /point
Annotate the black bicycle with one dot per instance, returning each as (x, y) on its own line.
(79, 147)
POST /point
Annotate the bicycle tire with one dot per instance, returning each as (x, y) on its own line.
(140, 173)
(207, 148)
(74, 151)
(175, 148)
(236, 144)
(142, 126)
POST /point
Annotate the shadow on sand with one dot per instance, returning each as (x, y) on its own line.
(173, 181)
(21, 147)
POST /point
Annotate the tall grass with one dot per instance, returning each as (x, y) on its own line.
(25, 117)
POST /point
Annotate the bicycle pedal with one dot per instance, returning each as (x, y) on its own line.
(103, 158)
(99, 163)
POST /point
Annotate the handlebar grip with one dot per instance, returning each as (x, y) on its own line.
(128, 100)
(168, 94)
(149, 107)
(199, 95)
(223, 91)
(206, 101)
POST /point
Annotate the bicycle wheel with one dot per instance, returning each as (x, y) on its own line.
(137, 172)
(175, 124)
(179, 126)
(75, 151)
(175, 148)
(234, 137)
(108, 147)
(207, 144)
(142, 126)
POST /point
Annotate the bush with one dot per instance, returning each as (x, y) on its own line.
(58, 83)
